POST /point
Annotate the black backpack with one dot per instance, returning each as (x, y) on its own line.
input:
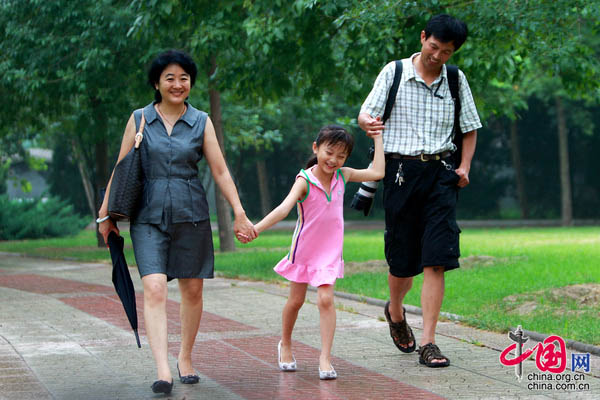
(452, 71)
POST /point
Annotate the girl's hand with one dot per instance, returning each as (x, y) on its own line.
(376, 171)
(377, 136)
(106, 227)
(242, 238)
(372, 126)
(244, 229)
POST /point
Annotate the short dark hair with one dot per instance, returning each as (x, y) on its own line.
(163, 60)
(447, 29)
(332, 135)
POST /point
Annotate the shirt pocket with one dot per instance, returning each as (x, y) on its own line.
(444, 116)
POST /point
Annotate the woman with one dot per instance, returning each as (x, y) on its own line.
(171, 232)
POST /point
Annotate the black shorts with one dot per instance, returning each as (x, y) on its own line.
(420, 216)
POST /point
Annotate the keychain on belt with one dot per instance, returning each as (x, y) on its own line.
(448, 166)
(399, 175)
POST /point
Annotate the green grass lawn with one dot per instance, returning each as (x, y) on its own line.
(526, 264)
(504, 271)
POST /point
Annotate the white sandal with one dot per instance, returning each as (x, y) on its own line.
(327, 375)
(291, 366)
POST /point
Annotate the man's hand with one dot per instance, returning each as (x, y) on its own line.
(468, 149)
(372, 126)
(463, 173)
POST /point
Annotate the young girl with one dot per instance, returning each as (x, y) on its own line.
(315, 256)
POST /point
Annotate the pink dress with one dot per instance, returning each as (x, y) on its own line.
(315, 255)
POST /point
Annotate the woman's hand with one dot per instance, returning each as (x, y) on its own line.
(244, 229)
(106, 227)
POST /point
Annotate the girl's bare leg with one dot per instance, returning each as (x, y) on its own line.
(327, 319)
(288, 318)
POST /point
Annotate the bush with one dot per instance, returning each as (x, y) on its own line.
(38, 218)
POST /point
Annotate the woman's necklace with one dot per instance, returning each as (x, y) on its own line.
(171, 124)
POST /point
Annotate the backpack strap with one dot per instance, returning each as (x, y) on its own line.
(452, 72)
(389, 104)
(453, 83)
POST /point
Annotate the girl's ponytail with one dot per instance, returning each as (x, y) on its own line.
(311, 161)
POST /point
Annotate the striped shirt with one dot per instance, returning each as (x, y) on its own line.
(422, 119)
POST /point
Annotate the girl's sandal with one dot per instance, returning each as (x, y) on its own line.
(431, 352)
(400, 332)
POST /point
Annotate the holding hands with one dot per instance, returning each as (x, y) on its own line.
(372, 126)
(244, 229)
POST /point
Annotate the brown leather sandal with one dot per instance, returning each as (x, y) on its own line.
(400, 332)
(431, 352)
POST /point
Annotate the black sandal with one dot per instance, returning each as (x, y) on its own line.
(162, 387)
(431, 352)
(400, 331)
(187, 379)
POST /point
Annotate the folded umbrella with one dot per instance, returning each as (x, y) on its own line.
(122, 281)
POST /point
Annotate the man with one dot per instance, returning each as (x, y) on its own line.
(421, 181)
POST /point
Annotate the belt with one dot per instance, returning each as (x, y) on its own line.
(422, 157)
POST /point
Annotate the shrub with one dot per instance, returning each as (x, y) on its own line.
(38, 218)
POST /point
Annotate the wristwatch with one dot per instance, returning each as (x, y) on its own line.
(102, 219)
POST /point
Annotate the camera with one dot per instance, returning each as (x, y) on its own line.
(363, 199)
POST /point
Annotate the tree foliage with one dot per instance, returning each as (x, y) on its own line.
(36, 218)
(68, 67)
(73, 71)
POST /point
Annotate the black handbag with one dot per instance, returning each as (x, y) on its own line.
(127, 182)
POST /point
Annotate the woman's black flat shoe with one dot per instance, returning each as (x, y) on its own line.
(188, 379)
(162, 387)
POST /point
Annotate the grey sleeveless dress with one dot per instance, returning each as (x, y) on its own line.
(171, 232)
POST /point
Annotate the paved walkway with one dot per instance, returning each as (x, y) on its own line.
(64, 335)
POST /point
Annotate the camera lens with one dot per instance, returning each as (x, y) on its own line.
(367, 189)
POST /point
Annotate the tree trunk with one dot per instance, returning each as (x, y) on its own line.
(563, 155)
(223, 209)
(85, 179)
(263, 187)
(518, 167)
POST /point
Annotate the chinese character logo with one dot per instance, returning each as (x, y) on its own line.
(580, 361)
(551, 354)
(517, 361)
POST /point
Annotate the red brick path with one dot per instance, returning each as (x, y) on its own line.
(246, 366)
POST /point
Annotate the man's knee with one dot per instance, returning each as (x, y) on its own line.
(400, 283)
(434, 276)
(438, 270)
